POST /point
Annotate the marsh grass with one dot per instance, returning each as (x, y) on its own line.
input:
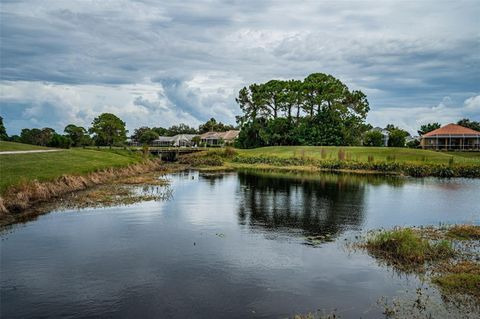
(446, 255)
(462, 277)
(464, 232)
(405, 247)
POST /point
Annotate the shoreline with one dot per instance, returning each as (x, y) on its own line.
(229, 160)
(19, 198)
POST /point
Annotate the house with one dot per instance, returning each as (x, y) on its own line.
(384, 132)
(451, 137)
(163, 141)
(184, 140)
(219, 138)
(180, 140)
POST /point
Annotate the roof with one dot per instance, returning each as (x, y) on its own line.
(228, 135)
(452, 129)
(164, 139)
(184, 137)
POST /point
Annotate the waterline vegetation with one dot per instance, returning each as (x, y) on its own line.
(449, 262)
(417, 163)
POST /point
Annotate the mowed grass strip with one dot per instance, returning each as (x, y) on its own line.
(18, 168)
(361, 154)
(11, 146)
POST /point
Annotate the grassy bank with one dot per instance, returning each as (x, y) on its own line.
(31, 178)
(402, 161)
(363, 154)
(11, 146)
(20, 168)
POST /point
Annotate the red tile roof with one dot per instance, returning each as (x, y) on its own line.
(452, 129)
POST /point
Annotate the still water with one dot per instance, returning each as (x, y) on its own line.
(230, 245)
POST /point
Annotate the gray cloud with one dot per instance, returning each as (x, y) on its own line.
(160, 63)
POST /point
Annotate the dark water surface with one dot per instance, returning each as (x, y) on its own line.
(230, 245)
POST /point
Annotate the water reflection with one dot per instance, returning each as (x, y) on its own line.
(299, 206)
(166, 259)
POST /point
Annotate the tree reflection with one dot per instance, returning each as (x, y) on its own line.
(327, 204)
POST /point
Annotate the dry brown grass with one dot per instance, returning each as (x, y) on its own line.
(27, 194)
(464, 232)
(149, 179)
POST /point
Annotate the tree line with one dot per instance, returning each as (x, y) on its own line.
(106, 130)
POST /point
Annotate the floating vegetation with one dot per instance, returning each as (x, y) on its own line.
(316, 315)
(424, 303)
(127, 191)
(316, 240)
(147, 179)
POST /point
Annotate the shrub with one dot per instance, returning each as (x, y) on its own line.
(373, 138)
(396, 138)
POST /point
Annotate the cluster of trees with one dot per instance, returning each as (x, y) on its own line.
(107, 129)
(320, 110)
(396, 137)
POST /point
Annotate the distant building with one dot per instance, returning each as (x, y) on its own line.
(384, 132)
(219, 138)
(180, 140)
(451, 137)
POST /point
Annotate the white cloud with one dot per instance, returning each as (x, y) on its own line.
(168, 62)
(411, 118)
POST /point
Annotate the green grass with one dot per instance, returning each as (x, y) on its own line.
(361, 154)
(16, 168)
(11, 146)
(407, 247)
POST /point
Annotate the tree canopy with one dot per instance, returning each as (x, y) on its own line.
(3, 131)
(320, 110)
(77, 135)
(108, 130)
(373, 138)
(474, 125)
(148, 137)
(424, 129)
(213, 126)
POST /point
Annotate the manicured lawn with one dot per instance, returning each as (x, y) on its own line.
(11, 146)
(15, 168)
(362, 153)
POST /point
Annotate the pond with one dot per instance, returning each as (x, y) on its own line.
(226, 245)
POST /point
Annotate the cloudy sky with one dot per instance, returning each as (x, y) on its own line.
(157, 63)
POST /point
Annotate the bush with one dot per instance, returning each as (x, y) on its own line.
(373, 138)
(59, 141)
(413, 144)
(396, 138)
